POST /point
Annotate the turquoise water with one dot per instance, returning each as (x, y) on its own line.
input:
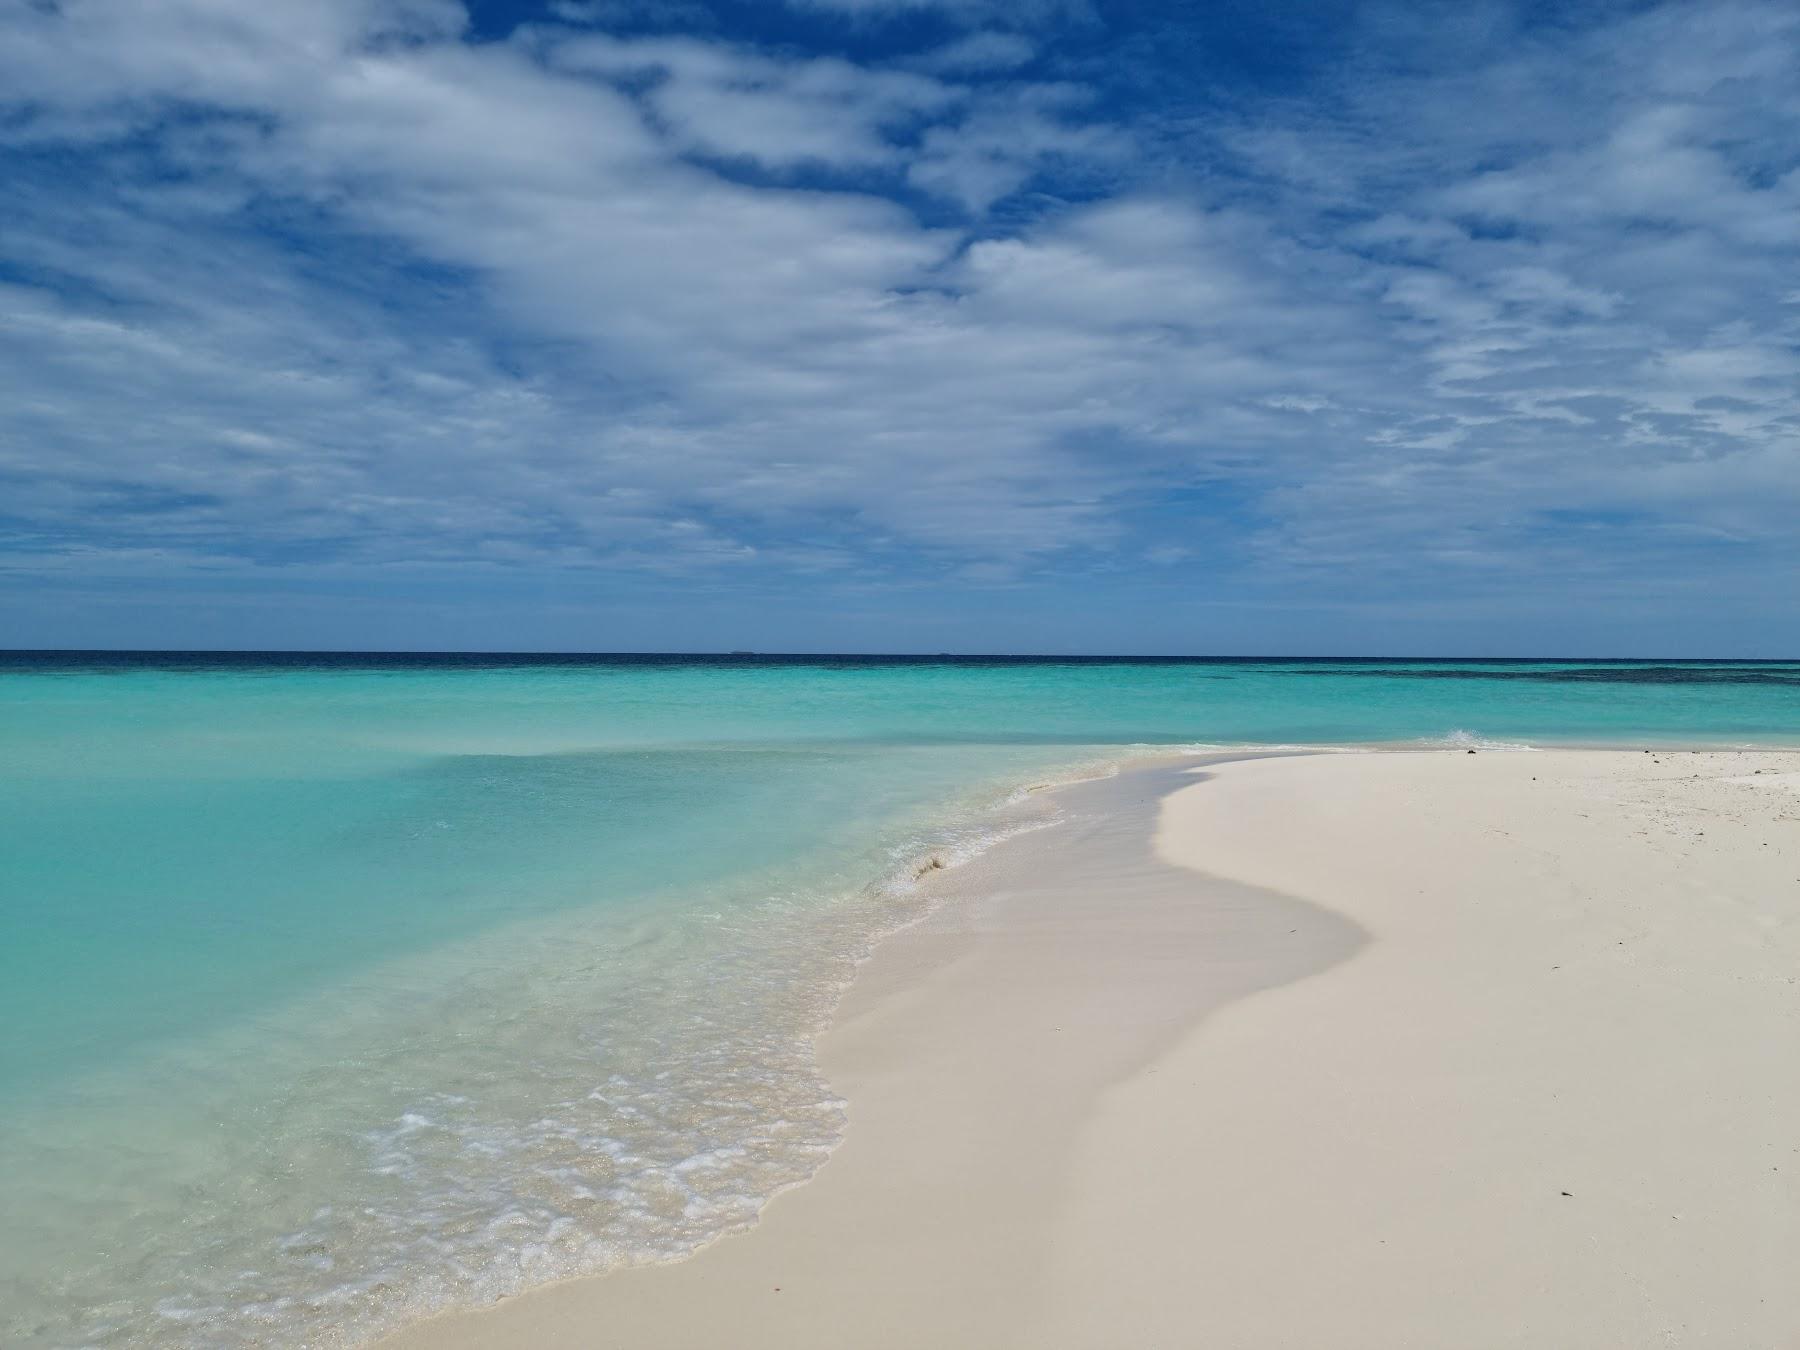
(336, 990)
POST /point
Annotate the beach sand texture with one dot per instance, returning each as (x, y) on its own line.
(1364, 1050)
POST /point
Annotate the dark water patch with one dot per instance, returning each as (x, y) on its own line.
(1777, 674)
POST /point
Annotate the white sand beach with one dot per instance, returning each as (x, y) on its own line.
(1372, 1050)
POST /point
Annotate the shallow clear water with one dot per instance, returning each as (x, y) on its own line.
(335, 990)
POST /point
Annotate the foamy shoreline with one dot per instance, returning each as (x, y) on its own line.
(1404, 1048)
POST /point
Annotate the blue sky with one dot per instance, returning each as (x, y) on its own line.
(901, 325)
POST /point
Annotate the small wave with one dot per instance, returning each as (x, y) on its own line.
(954, 849)
(1459, 739)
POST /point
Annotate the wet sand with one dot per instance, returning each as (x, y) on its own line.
(1373, 1050)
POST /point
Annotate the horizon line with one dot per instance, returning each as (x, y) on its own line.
(741, 654)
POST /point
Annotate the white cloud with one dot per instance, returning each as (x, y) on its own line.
(378, 293)
(721, 101)
(1008, 136)
(976, 53)
(1019, 13)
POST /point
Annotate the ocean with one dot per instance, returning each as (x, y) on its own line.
(339, 989)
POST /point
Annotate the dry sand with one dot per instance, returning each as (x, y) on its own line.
(1378, 1050)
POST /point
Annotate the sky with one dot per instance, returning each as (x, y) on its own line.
(1221, 327)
